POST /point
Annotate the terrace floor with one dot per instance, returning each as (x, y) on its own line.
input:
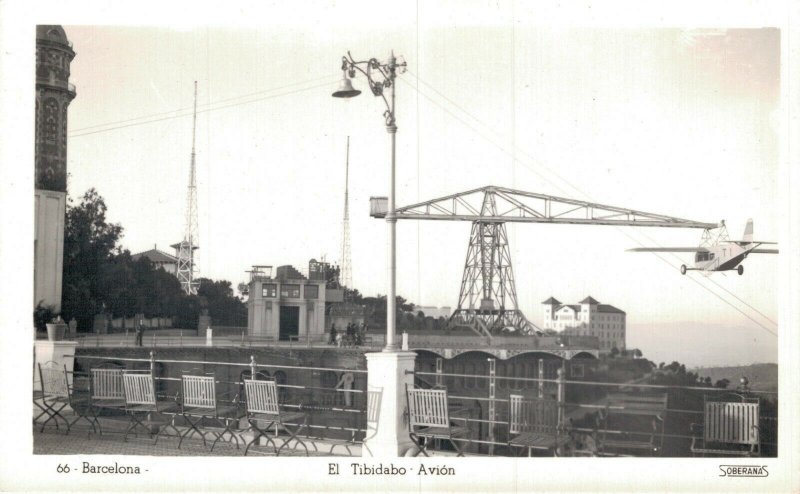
(82, 441)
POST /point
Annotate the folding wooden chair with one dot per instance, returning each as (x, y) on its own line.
(142, 404)
(429, 418)
(107, 392)
(731, 427)
(533, 424)
(263, 406)
(199, 402)
(646, 412)
(56, 396)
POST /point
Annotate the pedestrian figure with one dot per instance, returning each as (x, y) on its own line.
(332, 340)
(140, 334)
(339, 340)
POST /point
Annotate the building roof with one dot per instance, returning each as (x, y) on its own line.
(287, 272)
(552, 301)
(575, 308)
(589, 300)
(609, 308)
(156, 256)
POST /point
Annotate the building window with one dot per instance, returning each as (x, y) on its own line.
(290, 291)
(311, 291)
(577, 370)
(269, 290)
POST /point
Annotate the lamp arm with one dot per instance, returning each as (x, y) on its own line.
(375, 87)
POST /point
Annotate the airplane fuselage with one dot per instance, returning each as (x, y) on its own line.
(722, 257)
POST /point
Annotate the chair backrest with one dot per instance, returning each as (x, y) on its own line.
(731, 422)
(139, 388)
(532, 415)
(374, 396)
(261, 396)
(199, 392)
(54, 380)
(107, 384)
(427, 407)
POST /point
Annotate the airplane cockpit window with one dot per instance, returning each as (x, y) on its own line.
(701, 256)
(711, 256)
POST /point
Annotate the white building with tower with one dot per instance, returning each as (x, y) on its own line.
(587, 318)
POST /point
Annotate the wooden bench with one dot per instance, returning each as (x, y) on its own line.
(429, 418)
(731, 427)
(533, 424)
(648, 405)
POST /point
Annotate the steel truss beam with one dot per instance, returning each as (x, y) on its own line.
(487, 302)
(529, 207)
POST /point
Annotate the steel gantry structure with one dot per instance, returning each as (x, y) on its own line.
(488, 299)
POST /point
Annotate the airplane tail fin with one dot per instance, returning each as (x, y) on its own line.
(748, 231)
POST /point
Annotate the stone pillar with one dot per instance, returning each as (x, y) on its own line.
(389, 373)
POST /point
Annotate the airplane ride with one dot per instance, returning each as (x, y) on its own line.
(717, 252)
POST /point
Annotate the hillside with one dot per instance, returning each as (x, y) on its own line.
(761, 376)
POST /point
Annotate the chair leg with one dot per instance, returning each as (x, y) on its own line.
(222, 434)
(85, 417)
(134, 422)
(293, 435)
(192, 427)
(260, 433)
(421, 446)
(54, 414)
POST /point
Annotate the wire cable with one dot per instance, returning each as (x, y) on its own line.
(327, 83)
(502, 148)
(188, 108)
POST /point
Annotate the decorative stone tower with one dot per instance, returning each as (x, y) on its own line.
(53, 96)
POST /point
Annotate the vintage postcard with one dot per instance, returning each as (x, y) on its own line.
(410, 246)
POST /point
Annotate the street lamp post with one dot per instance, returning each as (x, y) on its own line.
(381, 77)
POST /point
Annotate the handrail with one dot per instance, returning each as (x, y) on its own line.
(590, 383)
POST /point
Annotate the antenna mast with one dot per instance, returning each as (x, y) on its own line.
(346, 278)
(187, 269)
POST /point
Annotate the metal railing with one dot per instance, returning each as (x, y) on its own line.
(582, 414)
(190, 338)
(331, 405)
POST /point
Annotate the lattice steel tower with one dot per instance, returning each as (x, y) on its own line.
(187, 268)
(346, 275)
(488, 298)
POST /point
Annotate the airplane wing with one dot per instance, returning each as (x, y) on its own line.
(743, 243)
(764, 251)
(668, 249)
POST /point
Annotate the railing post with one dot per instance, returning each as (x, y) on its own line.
(153, 364)
(439, 362)
(252, 367)
(181, 333)
(492, 395)
(561, 397)
(540, 375)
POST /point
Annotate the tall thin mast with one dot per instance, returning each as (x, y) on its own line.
(187, 269)
(346, 269)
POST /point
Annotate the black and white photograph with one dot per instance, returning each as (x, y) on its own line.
(491, 246)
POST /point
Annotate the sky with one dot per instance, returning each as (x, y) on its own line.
(675, 121)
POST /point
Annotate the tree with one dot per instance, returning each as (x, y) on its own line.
(614, 351)
(89, 242)
(722, 383)
(223, 306)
